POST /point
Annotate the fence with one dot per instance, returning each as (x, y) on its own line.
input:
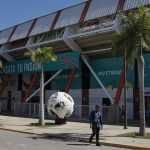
(0, 107)
(81, 112)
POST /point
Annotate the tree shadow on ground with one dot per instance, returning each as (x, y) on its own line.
(46, 124)
(37, 125)
(67, 137)
(63, 137)
(79, 144)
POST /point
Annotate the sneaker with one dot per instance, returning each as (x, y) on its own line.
(90, 141)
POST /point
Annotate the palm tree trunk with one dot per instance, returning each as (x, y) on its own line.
(41, 106)
(140, 62)
(125, 90)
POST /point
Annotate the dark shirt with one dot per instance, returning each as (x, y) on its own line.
(96, 119)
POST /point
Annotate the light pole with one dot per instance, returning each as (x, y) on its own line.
(125, 90)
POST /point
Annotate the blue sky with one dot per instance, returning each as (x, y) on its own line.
(13, 12)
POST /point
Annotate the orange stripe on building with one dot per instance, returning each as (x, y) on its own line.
(70, 79)
(120, 5)
(12, 33)
(120, 86)
(30, 87)
(122, 77)
(84, 12)
(55, 20)
(32, 26)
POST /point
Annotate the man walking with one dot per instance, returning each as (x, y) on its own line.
(96, 123)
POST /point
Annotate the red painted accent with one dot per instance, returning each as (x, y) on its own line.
(84, 12)
(4, 84)
(119, 90)
(122, 79)
(70, 80)
(12, 33)
(55, 20)
(30, 87)
(33, 23)
(120, 5)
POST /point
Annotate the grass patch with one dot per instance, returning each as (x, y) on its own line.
(41, 126)
(135, 135)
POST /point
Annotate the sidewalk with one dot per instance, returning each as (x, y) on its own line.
(73, 131)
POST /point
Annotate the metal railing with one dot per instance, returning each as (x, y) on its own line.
(81, 112)
(0, 107)
(102, 23)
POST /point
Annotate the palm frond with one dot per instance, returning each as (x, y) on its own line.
(28, 53)
(134, 33)
(44, 54)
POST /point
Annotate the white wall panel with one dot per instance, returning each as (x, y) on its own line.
(70, 16)
(129, 4)
(43, 24)
(13, 87)
(100, 8)
(48, 93)
(16, 98)
(5, 34)
(21, 31)
(77, 96)
(96, 97)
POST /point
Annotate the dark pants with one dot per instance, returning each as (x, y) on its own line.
(95, 131)
(123, 114)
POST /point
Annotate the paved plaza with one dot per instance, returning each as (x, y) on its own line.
(74, 132)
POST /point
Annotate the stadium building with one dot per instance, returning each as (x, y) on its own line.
(81, 37)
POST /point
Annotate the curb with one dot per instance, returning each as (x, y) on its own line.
(119, 145)
(125, 146)
(19, 131)
(86, 141)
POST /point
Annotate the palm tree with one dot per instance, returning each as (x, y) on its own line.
(42, 55)
(134, 37)
(1, 71)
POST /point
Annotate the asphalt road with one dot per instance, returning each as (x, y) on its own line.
(19, 141)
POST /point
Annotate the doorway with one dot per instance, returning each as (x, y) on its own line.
(106, 102)
(147, 102)
(9, 95)
(105, 106)
(147, 110)
(85, 103)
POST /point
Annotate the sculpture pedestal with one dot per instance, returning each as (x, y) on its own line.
(60, 121)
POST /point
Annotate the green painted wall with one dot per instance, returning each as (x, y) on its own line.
(64, 61)
(109, 71)
(60, 82)
(147, 70)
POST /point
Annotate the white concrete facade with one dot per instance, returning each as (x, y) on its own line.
(95, 96)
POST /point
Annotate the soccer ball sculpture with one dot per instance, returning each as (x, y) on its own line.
(60, 105)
